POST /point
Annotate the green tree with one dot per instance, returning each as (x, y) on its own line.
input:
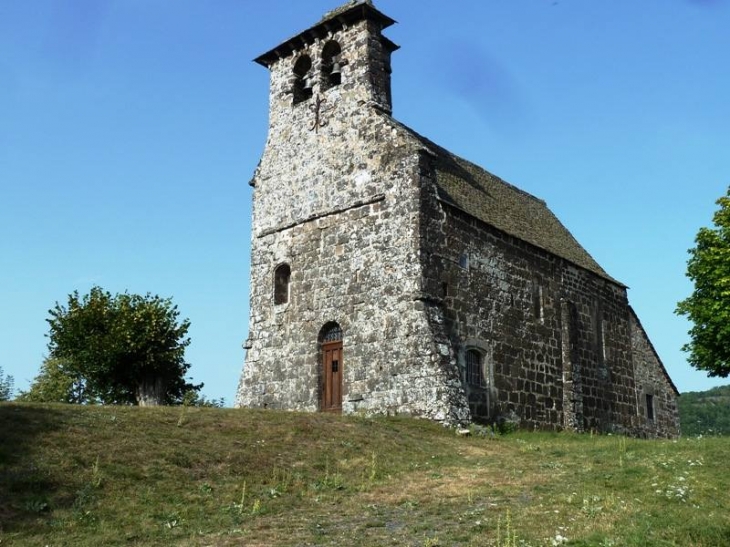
(123, 349)
(56, 383)
(6, 386)
(195, 398)
(708, 307)
(705, 412)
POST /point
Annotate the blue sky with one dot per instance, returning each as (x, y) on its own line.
(129, 130)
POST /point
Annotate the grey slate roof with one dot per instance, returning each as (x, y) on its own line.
(490, 199)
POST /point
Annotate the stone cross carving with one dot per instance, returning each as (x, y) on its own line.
(318, 110)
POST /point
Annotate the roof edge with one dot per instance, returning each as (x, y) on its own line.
(653, 350)
(605, 277)
(431, 148)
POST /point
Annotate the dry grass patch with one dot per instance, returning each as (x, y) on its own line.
(87, 476)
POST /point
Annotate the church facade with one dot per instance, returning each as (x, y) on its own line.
(389, 276)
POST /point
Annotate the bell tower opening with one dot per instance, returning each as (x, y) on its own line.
(303, 82)
(331, 65)
(349, 37)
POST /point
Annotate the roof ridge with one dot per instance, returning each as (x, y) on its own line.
(466, 185)
(500, 179)
(426, 140)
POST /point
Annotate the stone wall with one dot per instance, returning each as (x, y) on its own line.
(653, 381)
(315, 143)
(554, 337)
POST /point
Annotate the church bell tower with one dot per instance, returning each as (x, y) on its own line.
(337, 323)
(345, 55)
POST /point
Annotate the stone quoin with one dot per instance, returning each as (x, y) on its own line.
(389, 276)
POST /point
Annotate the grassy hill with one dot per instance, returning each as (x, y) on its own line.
(81, 476)
(705, 412)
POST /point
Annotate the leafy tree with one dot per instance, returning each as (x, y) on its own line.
(123, 349)
(705, 412)
(6, 386)
(56, 383)
(708, 307)
(195, 398)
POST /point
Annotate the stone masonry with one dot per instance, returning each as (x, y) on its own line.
(389, 276)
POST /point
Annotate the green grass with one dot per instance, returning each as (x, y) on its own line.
(79, 476)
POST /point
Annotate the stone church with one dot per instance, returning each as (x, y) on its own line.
(389, 276)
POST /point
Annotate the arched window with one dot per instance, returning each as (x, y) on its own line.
(464, 261)
(303, 82)
(331, 65)
(331, 332)
(282, 279)
(474, 372)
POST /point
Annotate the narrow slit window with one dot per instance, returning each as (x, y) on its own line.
(537, 302)
(598, 326)
(649, 407)
(282, 282)
(474, 373)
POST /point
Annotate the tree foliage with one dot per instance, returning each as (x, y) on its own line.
(121, 349)
(6, 386)
(705, 412)
(195, 398)
(708, 307)
(56, 383)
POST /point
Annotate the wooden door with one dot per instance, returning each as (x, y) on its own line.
(332, 376)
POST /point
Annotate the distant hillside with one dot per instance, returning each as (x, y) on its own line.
(85, 476)
(705, 412)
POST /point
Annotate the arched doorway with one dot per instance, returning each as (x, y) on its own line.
(330, 342)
